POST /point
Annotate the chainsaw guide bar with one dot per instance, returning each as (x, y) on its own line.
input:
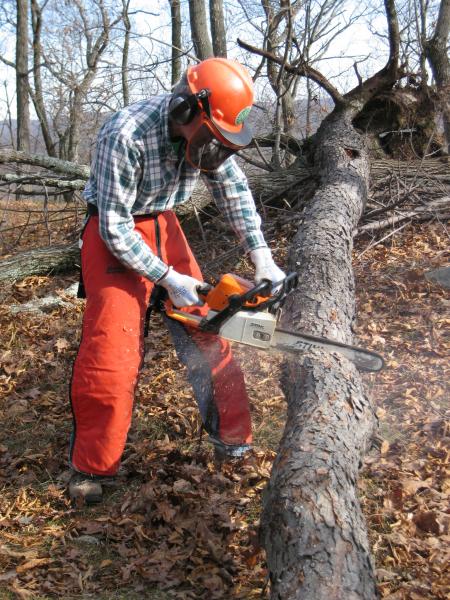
(246, 314)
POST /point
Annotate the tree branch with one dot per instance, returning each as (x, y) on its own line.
(302, 69)
(47, 162)
(391, 72)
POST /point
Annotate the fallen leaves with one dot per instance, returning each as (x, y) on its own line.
(406, 496)
(176, 522)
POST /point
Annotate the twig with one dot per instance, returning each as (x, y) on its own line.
(376, 243)
(202, 231)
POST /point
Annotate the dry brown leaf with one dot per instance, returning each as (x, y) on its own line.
(32, 564)
(384, 447)
(427, 521)
(412, 486)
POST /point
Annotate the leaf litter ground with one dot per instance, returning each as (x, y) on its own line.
(175, 524)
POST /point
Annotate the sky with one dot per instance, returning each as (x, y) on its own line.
(355, 43)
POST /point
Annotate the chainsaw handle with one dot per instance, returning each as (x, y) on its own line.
(202, 290)
(263, 288)
(236, 302)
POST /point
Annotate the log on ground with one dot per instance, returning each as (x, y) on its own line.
(51, 259)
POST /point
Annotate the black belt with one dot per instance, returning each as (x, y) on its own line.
(92, 210)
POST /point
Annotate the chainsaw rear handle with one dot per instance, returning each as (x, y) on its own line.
(202, 290)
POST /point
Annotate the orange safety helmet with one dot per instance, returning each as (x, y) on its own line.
(230, 99)
(211, 109)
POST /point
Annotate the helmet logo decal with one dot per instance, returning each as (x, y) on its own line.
(243, 114)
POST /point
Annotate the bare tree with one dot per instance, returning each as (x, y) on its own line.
(218, 35)
(436, 49)
(175, 15)
(126, 51)
(312, 525)
(199, 29)
(7, 123)
(37, 94)
(95, 47)
(22, 85)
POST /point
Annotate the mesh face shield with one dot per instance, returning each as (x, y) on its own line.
(205, 149)
(207, 144)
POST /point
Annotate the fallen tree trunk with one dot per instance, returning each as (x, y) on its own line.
(313, 529)
(40, 261)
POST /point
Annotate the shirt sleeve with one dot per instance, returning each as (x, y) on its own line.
(229, 188)
(117, 170)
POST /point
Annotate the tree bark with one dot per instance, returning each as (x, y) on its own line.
(38, 95)
(437, 54)
(199, 29)
(47, 162)
(125, 52)
(218, 35)
(312, 525)
(22, 84)
(53, 259)
(175, 14)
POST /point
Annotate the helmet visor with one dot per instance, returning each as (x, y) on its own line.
(205, 150)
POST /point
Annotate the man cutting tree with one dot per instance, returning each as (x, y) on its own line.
(147, 161)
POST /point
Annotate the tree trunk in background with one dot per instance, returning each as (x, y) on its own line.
(175, 14)
(38, 96)
(313, 529)
(126, 52)
(199, 29)
(437, 54)
(23, 108)
(279, 82)
(219, 38)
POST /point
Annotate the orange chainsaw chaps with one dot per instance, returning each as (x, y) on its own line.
(106, 369)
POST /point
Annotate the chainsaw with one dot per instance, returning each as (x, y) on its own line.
(242, 312)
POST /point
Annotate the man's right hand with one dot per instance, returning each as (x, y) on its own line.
(182, 289)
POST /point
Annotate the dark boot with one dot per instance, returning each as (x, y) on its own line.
(227, 452)
(85, 489)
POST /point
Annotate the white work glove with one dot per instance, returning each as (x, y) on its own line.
(265, 268)
(182, 289)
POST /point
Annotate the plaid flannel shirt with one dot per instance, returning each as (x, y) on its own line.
(136, 171)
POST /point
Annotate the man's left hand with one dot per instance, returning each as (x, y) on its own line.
(265, 267)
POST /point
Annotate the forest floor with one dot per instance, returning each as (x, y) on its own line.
(176, 525)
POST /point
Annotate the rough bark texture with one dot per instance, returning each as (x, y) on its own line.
(199, 29)
(47, 162)
(312, 525)
(175, 15)
(437, 54)
(23, 109)
(126, 52)
(38, 95)
(36, 262)
(218, 34)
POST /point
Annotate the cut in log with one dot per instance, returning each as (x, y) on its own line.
(312, 525)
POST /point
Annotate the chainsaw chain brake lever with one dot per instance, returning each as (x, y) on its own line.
(276, 300)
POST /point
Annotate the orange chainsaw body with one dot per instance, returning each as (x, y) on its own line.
(229, 285)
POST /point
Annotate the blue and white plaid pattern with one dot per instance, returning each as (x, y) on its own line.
(136, 171)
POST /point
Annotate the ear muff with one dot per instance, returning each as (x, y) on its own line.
(183, 108)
